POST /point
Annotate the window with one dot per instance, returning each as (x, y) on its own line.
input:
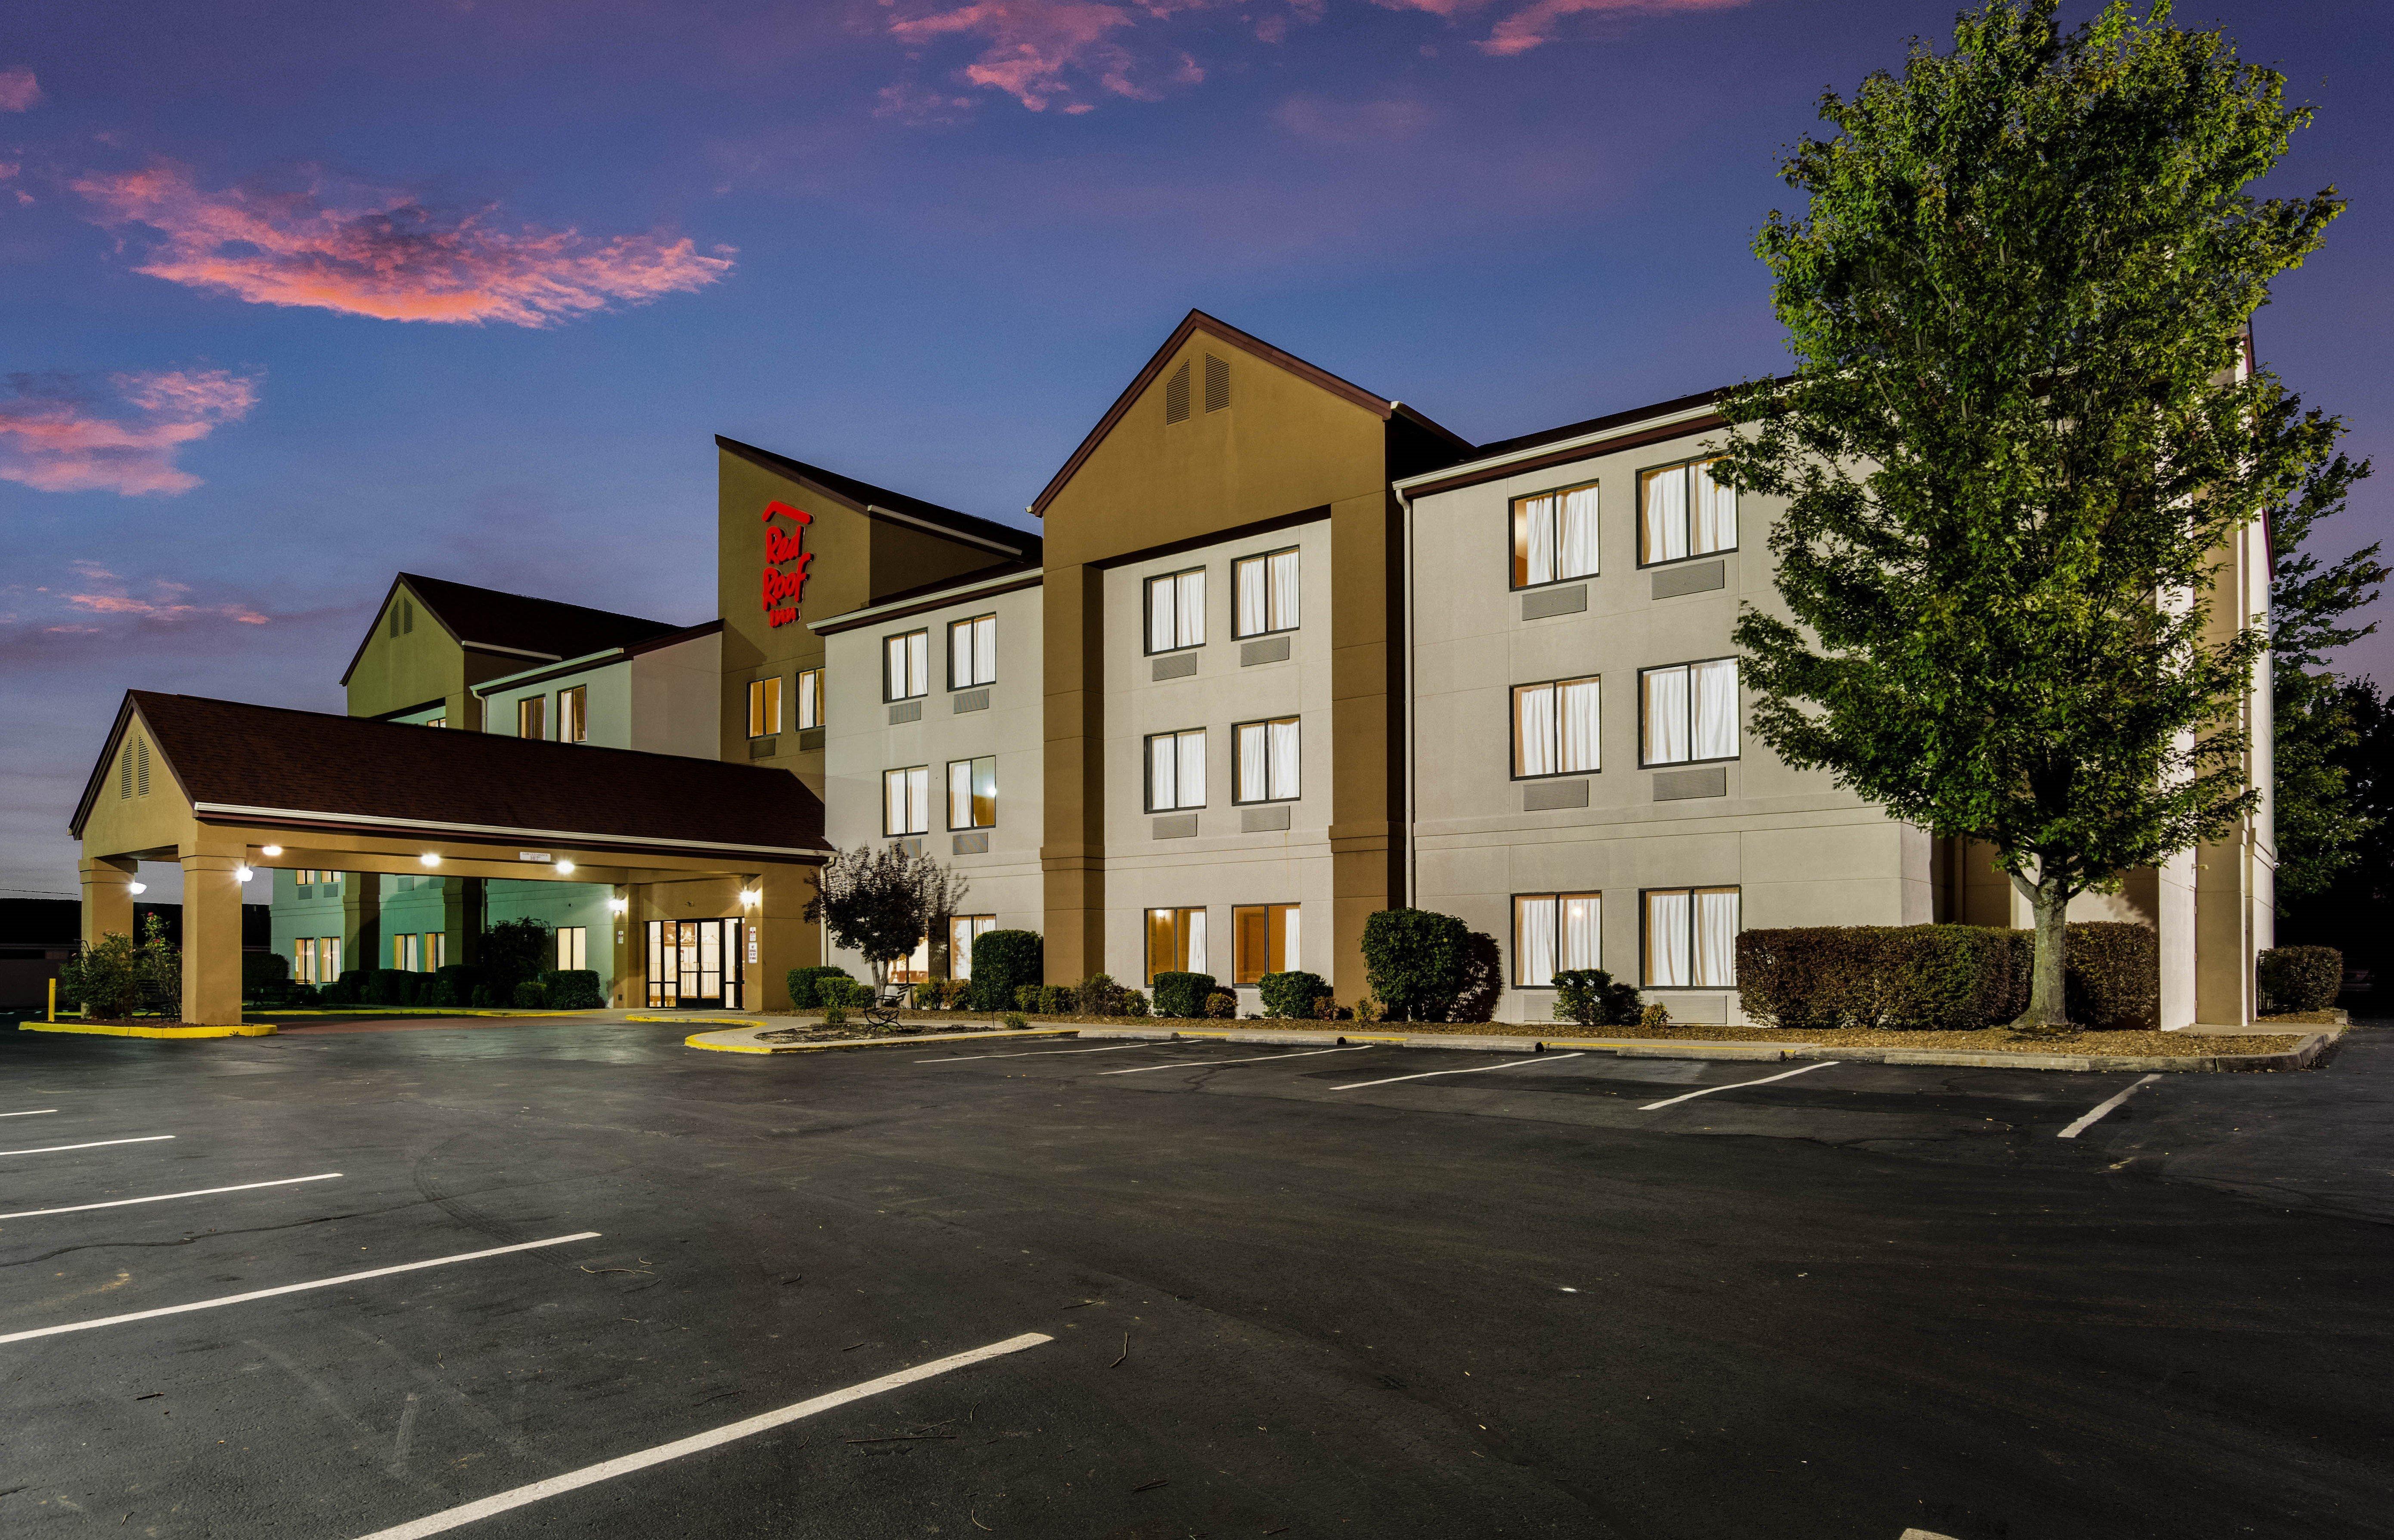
(764, 707)
(414, 953)
(972, 793)
(1175, 942)
(532, 719)
(328, 958)
(1691, 938)
(1683, 512)
(573, 715)
(1555, 728)
(1176, 610)
(1267, 761)
(906, 801)
(963, 931)
(437, 721)
(810, 700)
(1264, 935)
(914, 968)
(1554, 933)
(572, 946)
(1267, 587)
(1175, 770)
(1554, 536)
(906, 665)
(1691, 711)
(436, 950)
(303, 960)
(972, 652)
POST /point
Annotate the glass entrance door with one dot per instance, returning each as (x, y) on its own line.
(695, 964)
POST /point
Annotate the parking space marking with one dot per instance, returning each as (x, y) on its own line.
(1477, 1069)
(160, 1198)
(457, 1518)
(1204, 1063)
(1034, 1053)
(35, 1112)
(2096, 1115)
(293, 1288)
(1708, 1090)
(54, 1148)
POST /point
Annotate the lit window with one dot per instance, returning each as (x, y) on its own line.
(328, 955)
(914, 968)
(572, 946)
(303, 960)
(1175, 770)
(1683, 512)
(532, 717)
(573, 715)
(906, 801)
(1175, 942)
(906, 665)
(1267, 761)
(1176, 610)
(1691, 711)
(1555, 728)
(1554, 536)
(810, 700)
(1264, 935)
(972, 793)
(437, 721)
(972, 652)
(1267, 588)
(764, 707)
(1555, 933)
(1691, 938)
(436, 950)
(963, 931)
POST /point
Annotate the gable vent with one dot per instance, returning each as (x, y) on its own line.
(394, 620)
(125, 772)
(141, 767)
(1175, 396)
(1217, 383)
(407, 609)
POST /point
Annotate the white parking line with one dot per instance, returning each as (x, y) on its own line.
(457, 1517)
(54, 1148)
(195, 1193)
(35, 1112)
(1708, 1090)
(1477, 1069)
(2092, 1118)
(1034, 1053)
(293, 1288)
(1208, 1063)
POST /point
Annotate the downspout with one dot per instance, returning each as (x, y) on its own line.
(1413, 716)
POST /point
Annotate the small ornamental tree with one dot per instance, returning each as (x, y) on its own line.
(2022, 427)
(514, 952)
(881, 903)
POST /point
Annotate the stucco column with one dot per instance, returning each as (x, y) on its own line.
(1072, 855)
(212, 940)
(462, 912)
(786, 939)
(107, 897)
(361, 921)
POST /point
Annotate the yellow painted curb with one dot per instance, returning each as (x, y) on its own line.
(247, 1029)
(684, 1020)
(417, 1011)
(692, 1040)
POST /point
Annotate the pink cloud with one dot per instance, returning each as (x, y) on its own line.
(1535, 24)
(56, 437)
(1047, 53)
(167, 601)
(377, 251)
(18, 90)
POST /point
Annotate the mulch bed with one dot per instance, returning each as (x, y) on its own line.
(2144, 1044)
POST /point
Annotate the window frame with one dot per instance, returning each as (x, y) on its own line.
(973, 798)
(1518, 970)
(1179, 924)
(1238, 789)
(535, 707)
(1645, 936)
(991, 620)
(1644, 763)
(1147, 612)
(1515, 551)
(810, 701)
(1237, 563)
(887, 684)
(888, 833)
(1147, 750)
(1237, 981)
(1637, 512)
(1513, 726)
(575, 715)
(765, 707)
(960, 962)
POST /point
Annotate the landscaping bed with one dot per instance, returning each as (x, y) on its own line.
(2118, 1044)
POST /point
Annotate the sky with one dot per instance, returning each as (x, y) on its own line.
(294, 296)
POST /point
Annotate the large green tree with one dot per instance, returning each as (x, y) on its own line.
(2322, 810)
(2022, 430)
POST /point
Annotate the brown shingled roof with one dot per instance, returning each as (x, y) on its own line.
(517, 623)
(261, 764)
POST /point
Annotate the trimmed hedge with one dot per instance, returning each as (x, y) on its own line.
(1417, 961)
(529, 996)
(1003, 961)
(573, 988)
(1942, 978)
(2300, 978)
(1291, 996)
(452, 984)
(264, 972)
(1182, 994)
(805, 985)
(2111, 973)
(1589, 996)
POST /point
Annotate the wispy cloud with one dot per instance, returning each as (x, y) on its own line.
(378, 252)
(1328, 122)
(1056, 53)
(109, 594)
(1519, 30)
(61, 433)
(19, 92)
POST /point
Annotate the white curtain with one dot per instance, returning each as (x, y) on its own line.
(1189, 609)
(1666, 716)
(1715, 513)
(918, 663)
(960, 935)
(1162, 778)
(1534, 729)
(1283, 591)
(1715, 712)
(1192, 921)
(1534, 940)
(1162, 633)
(960, 653)
(960, 793)
(1716, 937)
(893, 802)
(1579, 750)
(1191, 779)
(1251, 598)
(1578, 553)
(986, 649)
(1283, 759)
(1666, 939)
(1253, 785)
(1288, 953)
(894, 669)
(1538, 515)
(1666, 515)
(1583, 931)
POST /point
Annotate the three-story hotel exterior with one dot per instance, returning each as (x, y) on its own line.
(1284, 653)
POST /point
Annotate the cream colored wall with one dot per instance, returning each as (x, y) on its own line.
(676, 698)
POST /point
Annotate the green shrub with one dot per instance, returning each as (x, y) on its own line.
(1292, 994)
(1058, 1000)
(1589, 996)
(305, 996)
(1949, 978)
(1182, 994)
(514, 952)
(1134, 1002)
(529, 996)
(1099, 995)
(265, 974)
(573, 988)
(842, 992)
(386, 986)
(1221, 1005)
(803, 983)
(484, 997)
(2300, 978)
(104, 979)
(2111, 975)
(1416, 961)
(834, 1016)
(1012, 1023)
(452, 984)
(349, 989)
(1002, 962)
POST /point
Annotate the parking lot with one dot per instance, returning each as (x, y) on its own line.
(570, 1279)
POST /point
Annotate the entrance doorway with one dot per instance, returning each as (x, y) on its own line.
(695, 963)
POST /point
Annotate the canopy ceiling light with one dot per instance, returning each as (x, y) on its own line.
(565, 868)
(243, 872)
(138, 887)
(431, 858)
(617, 906)
(269, 850)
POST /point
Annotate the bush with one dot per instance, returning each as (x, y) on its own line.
(1588, 996)
(1058, 1000)
(386, 986)
(1012, 1023)
(1655, 1017)
(1416, 961)
(265, 974)
(1327, 1008)
(1944, 978)
(573, 988)
(834, 1016)
(305, 996)
(1221, 1005)
(104, 979)
(1182, 994)
(804, 984)
(452, 984)
(1099, 995)
(842, 993)
(1134, 1002)
(514, 952)
(1002, 962)
(2111, 975)
(1292, 994)
(2300, 978)
(485, 997)
(529, 996)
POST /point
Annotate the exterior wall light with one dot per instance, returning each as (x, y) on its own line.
(565, 868)
(138, 887)
(269, 850)
(243, 872)
(748, 898)
(617, 906)
(431, 858)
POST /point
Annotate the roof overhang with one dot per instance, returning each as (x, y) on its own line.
(361, 823)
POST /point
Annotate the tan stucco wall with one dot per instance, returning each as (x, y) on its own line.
(395, 673)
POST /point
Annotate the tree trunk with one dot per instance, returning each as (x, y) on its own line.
(2048, 1009)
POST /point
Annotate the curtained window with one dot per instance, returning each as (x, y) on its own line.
(1264, 938)
(532, 717)
(764, 707)
(1690, 711)
(972, 652)
(1175, 942)
(1555, 728)
(1554, 536)
(1683, 512)
(1176, 610)
(972, 793)
(1267, 587)
(573, 713)
(1555, 933)
(906, 800)
(906, 665)
(572, 946)
(963, 931)
(1267, 761)
(1691, 938)
(1175, 770)
(810, 700)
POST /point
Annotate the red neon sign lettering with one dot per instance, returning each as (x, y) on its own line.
(781, 547)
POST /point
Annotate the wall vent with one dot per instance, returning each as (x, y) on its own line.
(141, 767)
(407, 613)
(1175, 396)
(1217, 383)
(125, 772)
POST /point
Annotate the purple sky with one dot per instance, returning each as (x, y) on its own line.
(294, 296)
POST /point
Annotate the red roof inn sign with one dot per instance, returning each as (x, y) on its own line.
(781, 547)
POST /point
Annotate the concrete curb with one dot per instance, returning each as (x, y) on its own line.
(698, 1040)
(247, 1029)
(415, 1010)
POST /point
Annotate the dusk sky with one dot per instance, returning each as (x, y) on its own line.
(296, 296)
